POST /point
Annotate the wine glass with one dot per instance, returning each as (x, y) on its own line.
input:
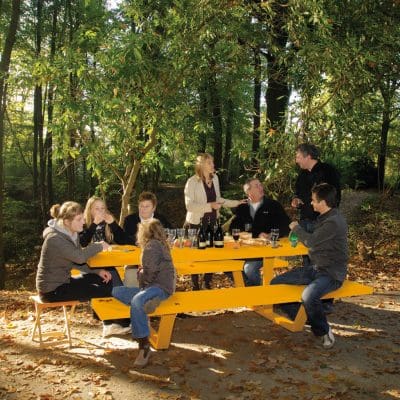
(192, 234)
(180, 233)
(235, 235)
(171, 234)
(274, 237)
(247, 227)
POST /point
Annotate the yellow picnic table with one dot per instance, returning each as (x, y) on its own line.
(193, 261)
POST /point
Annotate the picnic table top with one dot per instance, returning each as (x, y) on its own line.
(130, 255)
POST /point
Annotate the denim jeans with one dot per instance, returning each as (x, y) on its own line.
(137, 298)
(318, 284)
(251, 272)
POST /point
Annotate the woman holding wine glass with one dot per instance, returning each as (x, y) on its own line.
(203, 201)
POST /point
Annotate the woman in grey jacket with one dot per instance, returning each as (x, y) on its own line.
(61, 252)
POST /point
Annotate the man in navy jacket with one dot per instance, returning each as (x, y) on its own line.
(263, 214)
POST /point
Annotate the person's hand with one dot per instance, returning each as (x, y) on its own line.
(105, 275)
(105, 245)
(98, 217)
(293, 224)
(215, 205)
(243, 201)
(108, 218)
(296, 202)
(264, 235)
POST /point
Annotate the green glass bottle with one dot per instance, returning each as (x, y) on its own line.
(293, 239)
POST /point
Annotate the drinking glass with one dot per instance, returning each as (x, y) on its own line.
(235, 235)
(274, 237)
(192, 236)
(171, 235)
(180, 233)
(247, 227)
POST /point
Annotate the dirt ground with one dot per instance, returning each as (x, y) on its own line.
(235, 354)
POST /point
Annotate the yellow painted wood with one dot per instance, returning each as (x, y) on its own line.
(262, 296)
(201, 267)
(131, 256)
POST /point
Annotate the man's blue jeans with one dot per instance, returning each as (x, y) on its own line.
(318, 284)
(251, 272)
(137, 298)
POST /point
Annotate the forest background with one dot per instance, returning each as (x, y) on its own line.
(113, 99)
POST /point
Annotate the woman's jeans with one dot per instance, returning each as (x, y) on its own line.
(318, 284)
(137, 298)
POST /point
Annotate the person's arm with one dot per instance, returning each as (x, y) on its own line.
(325, 233)
(238, 220)
(85, 237)
(119, 235)
(130, 228)
(224, 202)
(281, 219)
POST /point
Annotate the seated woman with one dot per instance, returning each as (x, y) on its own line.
(147, 204)
(100, 226)
(61, 252)
(157, 279)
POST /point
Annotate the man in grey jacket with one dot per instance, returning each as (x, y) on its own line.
(328, 253)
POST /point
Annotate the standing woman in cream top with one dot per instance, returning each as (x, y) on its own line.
(203, 200)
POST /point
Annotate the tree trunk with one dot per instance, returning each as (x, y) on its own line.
(256, 108)
(277, 94)
(216, 117)
(228, 142)
(4, 68)
(204, 117)
(384, 136)
(48, 145)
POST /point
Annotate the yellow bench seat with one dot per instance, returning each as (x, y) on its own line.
(262, 297)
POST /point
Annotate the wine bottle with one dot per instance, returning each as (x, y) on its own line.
(219, 236)
(201, 237)
(209, 235)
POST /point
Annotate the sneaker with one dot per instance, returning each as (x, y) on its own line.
(115, 329)
(143, 357)
(151, 305)
(328, 340)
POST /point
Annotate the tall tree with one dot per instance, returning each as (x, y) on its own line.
(4, 71)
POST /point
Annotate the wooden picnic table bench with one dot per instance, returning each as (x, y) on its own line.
(260, 298)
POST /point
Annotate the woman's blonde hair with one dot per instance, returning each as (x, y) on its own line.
(89, 218)
(68, 210)
(199, 165)
(151, 230)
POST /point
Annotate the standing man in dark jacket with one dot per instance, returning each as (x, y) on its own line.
(263, 214)
(328, 252)
(313, 172)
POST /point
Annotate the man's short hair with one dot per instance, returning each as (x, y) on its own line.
(327, 192)
(148, 196)
(246, 185)
(308, 149)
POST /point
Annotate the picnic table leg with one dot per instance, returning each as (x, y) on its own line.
(238, 278)
(161, 338)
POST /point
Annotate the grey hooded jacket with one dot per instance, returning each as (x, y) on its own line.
(61, 252)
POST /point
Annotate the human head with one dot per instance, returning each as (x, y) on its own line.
(254, 189)
(93, 204)
(147, 204)
(69, 214)
(323, 197)
(204, 166)
(307, 155)
(151, 230)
